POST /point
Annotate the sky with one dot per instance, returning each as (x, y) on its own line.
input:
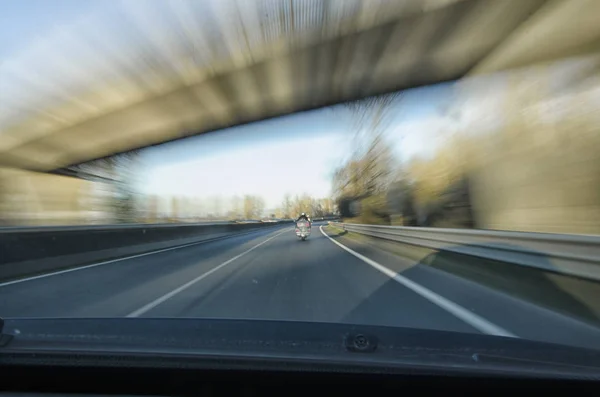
(294, 154)
(269, 170)
(23, 22)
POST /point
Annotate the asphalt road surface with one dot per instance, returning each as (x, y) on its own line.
(271, 274)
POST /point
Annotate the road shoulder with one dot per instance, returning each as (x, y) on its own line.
(519, 316)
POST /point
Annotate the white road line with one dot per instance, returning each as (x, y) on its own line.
(171, 294)
(458, 311)
(22, 280)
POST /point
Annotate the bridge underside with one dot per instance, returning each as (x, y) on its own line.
(297, 57)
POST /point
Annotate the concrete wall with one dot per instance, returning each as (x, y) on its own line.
(541, 171)
(30, 198)
(534, 191)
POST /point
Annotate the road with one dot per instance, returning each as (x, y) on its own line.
(270, 274)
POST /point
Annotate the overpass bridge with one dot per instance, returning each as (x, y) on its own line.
(144, 73)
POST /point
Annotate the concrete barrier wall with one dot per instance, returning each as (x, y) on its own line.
(26, 251)
(33, 198)
(542, 170)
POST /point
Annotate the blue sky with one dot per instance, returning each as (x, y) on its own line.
(22, 22)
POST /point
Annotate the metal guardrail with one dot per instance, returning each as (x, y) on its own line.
(574, 255)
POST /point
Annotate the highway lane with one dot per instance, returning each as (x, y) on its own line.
(119, 287)
(288, 279)
(270, 274)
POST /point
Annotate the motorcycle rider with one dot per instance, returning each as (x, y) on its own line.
(305, 217)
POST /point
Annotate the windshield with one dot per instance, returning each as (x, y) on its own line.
(155, 156)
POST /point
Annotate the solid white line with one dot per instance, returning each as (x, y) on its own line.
(22, 280)
(169, 295)
(458, 311)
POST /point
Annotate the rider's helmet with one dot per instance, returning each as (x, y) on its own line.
(303, 214)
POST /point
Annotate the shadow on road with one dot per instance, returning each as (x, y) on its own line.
(572, 296)
(389, 304)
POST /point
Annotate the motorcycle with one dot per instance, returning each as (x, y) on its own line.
(303, 229)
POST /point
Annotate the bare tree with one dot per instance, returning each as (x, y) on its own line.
(370, 168)
(253, 207)
(287, 206)
(237, 211)
(374, 150)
